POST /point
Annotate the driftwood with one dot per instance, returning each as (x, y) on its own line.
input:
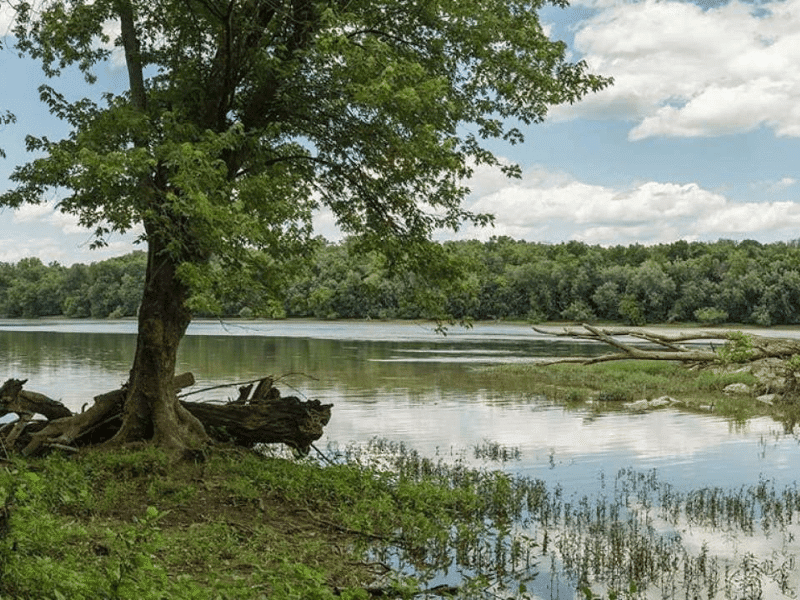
(286, 420)
(263, 418)
(732, 346)
(13, 399)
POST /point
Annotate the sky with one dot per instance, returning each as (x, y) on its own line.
(698, 139)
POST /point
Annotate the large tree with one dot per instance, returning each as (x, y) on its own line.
(242, 117)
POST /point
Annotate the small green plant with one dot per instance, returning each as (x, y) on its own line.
(793, 362)
(134, 573)
(171, 491)
(588, 594)
(737, 349)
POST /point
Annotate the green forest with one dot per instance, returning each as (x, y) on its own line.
(710, 283)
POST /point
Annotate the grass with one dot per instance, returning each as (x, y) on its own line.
(608, 384)
(126, 525)
(237, 525)
(382, 521)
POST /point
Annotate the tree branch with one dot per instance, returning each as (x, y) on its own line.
(738, 347)
(133, 56)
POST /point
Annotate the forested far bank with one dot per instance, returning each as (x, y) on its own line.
(719, 282)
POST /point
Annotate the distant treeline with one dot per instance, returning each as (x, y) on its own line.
(724, 281)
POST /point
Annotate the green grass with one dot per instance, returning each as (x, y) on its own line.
(243, 526)
(237, 525)
(612, 383)
(127, 525)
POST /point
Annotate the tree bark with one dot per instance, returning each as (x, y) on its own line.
(13, 399)
(65, 431)
(287, 420)
(152, 410)
(263, 418)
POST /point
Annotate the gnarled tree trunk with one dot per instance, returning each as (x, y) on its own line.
(152, 410)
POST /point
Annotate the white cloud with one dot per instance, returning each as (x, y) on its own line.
(554, 207)
(772, 186)
(752, 217)
(682, 71)
(45, 248)
(48, 213)
(32, 212)
(7, 16)
(67, 223)
(785, 182)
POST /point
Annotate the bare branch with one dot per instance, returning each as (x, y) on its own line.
(755, 347)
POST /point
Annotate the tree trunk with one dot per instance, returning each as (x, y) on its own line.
(152, 410)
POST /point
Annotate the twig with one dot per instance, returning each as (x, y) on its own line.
(222, 385)
(63, 447)
(5, 450)
(97, 426)
(226, 385)
(327, 460)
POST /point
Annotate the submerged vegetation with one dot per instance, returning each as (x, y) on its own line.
(379, 520)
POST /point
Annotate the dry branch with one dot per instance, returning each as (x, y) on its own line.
(739, 347)
(13, 399)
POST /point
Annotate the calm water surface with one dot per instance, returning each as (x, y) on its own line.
(405, 382)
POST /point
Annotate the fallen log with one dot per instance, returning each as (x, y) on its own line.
(733, 347)
(263, 418)
(13, 399)
(286, 420)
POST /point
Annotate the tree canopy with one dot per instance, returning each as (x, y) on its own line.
(243, 117)
(705, 282)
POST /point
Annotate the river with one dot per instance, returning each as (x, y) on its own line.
(407, 383)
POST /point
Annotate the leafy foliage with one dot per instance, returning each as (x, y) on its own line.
(244, 117)
(502, 278)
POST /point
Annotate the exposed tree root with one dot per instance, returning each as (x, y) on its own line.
(264, 418)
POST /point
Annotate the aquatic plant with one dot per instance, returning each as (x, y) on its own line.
(641, 536)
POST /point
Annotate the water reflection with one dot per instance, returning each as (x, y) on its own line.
(404, 382)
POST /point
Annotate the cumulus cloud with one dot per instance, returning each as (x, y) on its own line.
(43, 231)
(33, 212)
(7, 16)
(554, 207)
(684, 71)
(47, 212)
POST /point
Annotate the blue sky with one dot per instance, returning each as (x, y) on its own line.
(699, 138)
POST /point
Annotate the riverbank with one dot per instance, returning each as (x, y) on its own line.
(231, 525)
(377, 521)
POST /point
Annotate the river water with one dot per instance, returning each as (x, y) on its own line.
(407, 383)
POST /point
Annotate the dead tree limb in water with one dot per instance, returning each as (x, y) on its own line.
(734, 346)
